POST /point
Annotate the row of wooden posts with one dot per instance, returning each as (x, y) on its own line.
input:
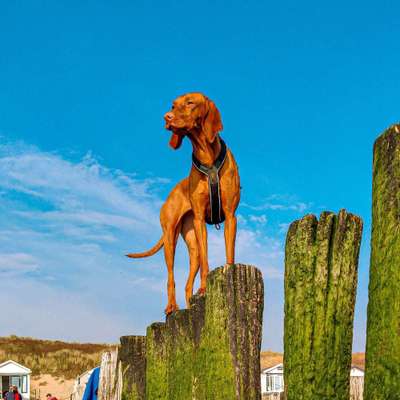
(211, 352)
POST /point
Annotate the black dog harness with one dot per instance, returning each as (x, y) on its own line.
(216, 213)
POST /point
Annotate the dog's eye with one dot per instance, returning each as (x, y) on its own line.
(189, 102)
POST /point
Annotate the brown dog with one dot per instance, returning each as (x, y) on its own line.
(195, 116)
(176, 218)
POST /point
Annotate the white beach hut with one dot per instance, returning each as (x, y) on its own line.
(272, 380)
(12, 373)
(272, 384)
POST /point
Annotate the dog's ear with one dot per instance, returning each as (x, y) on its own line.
(212, 123)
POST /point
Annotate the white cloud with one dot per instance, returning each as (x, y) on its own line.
(280, 203)
(17, 263)
(283, 227)
(85, 189)
(260, 219)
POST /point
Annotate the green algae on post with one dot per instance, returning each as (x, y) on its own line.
(212, 350)
(382, 373)
(156, 362)
(321, 262)
(132, 355)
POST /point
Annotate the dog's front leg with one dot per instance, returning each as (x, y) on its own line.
(230, 197)
(230, 238)
(201, 236)
(190, 239)
(199, 200)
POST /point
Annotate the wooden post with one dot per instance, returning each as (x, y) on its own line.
(156, 362)
(382, 374)
(228, 360)
(356, 387)
(110, 381)
(180, 351)
(132, 355)
(212, 351)
(321, 262)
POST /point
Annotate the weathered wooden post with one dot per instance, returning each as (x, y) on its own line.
(110, 381)
(356, 388)
(228, 360)
(321, 262)
(212, 351)
(156, 362)
(132, 355)
(180, 353)
(382, 375)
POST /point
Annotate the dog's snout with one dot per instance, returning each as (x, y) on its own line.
(169, 116)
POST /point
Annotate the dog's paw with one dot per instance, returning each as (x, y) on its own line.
(201, 292)
(171, 308)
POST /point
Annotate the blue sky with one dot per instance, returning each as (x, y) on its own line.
(304, 88)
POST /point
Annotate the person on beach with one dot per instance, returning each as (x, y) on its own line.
(10, 394)
(50, 397)
(17, 395)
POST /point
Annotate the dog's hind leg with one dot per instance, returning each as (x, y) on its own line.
(189, 237)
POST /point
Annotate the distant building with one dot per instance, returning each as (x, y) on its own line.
(272, 380)
(272, 384)
(356, 372)
(12, 373)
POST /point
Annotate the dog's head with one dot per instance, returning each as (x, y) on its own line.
(192, 113)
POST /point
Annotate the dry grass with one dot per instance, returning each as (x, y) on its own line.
(359, 360)
(55, 358)
(68, 360)
(270, 358)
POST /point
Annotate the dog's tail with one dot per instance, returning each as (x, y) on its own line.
(150, 252)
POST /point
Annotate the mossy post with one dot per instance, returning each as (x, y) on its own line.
(132, 355)
(321, 263)
(156, 362)
(180, 353)
(382, 374)
(212, 350)
(228, 359)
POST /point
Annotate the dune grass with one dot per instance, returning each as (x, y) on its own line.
(59, 359)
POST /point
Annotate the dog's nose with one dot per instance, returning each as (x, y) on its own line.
(169, 116)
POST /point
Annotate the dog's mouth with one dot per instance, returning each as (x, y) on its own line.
(178, 133)
(174, 125)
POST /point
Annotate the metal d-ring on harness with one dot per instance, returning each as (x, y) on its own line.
(216, 213)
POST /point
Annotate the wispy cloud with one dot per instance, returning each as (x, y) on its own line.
(85, 191)
(17, 263)
(280, 203)
(260, 219)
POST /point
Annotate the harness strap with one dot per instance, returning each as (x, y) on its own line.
(216, 213)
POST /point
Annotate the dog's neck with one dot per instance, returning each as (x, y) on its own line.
(203, 150)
